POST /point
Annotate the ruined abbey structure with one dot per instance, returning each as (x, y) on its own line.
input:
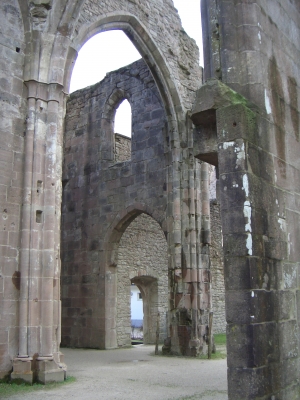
(85, 213)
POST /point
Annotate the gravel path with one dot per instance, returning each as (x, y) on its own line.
(136, 374)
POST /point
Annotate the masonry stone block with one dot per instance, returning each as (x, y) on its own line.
(22, 371)
(250, 382)
(235, 302)
(237, 272)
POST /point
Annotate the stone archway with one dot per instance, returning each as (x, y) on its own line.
(142, 259)
(149, 290)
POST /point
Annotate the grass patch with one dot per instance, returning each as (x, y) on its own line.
(220, 339)
(11, 388)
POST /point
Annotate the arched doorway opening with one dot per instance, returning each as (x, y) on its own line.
(142, 260)
(137, 314)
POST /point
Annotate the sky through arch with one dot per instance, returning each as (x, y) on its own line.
(111, 50)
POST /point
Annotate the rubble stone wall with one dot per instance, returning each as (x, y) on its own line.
(216, 256)
(217, 269)
(122, 148)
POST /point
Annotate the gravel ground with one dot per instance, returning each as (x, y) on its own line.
(136, 374)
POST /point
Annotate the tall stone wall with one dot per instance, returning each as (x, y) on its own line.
(99, 188)
(12, 131)
(253, 48)
(143, 254)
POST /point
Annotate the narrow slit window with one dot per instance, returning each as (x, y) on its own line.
(39, 215)
(39, 186)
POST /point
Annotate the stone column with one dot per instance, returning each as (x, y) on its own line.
(253, 248)
(211, 39)
(39, 261)
(204, 277)
(189, 278)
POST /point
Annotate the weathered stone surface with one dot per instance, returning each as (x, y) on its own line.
(122, 148)
(251, 128)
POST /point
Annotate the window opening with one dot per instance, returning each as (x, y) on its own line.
(123, 117)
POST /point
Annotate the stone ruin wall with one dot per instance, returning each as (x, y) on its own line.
(58, 35)
(98, 186)
(123, 145)
(142, 253)
(216, 249)
(258, 56)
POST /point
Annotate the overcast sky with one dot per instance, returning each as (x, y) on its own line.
(112, 50)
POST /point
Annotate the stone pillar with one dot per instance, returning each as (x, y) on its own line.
(211, 39)
(261, 320)
(253, 248)
(204, 265)
(190, 278)
(39, 356)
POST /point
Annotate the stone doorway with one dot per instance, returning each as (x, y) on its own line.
(149, 295)
(142, 260)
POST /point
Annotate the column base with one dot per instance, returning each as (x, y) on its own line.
(181, 340)
(194, 346)
(166, 349)
(49, 371)
(42, 369)
(22, 370)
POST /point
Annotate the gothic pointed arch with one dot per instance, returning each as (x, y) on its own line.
(147, 47)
